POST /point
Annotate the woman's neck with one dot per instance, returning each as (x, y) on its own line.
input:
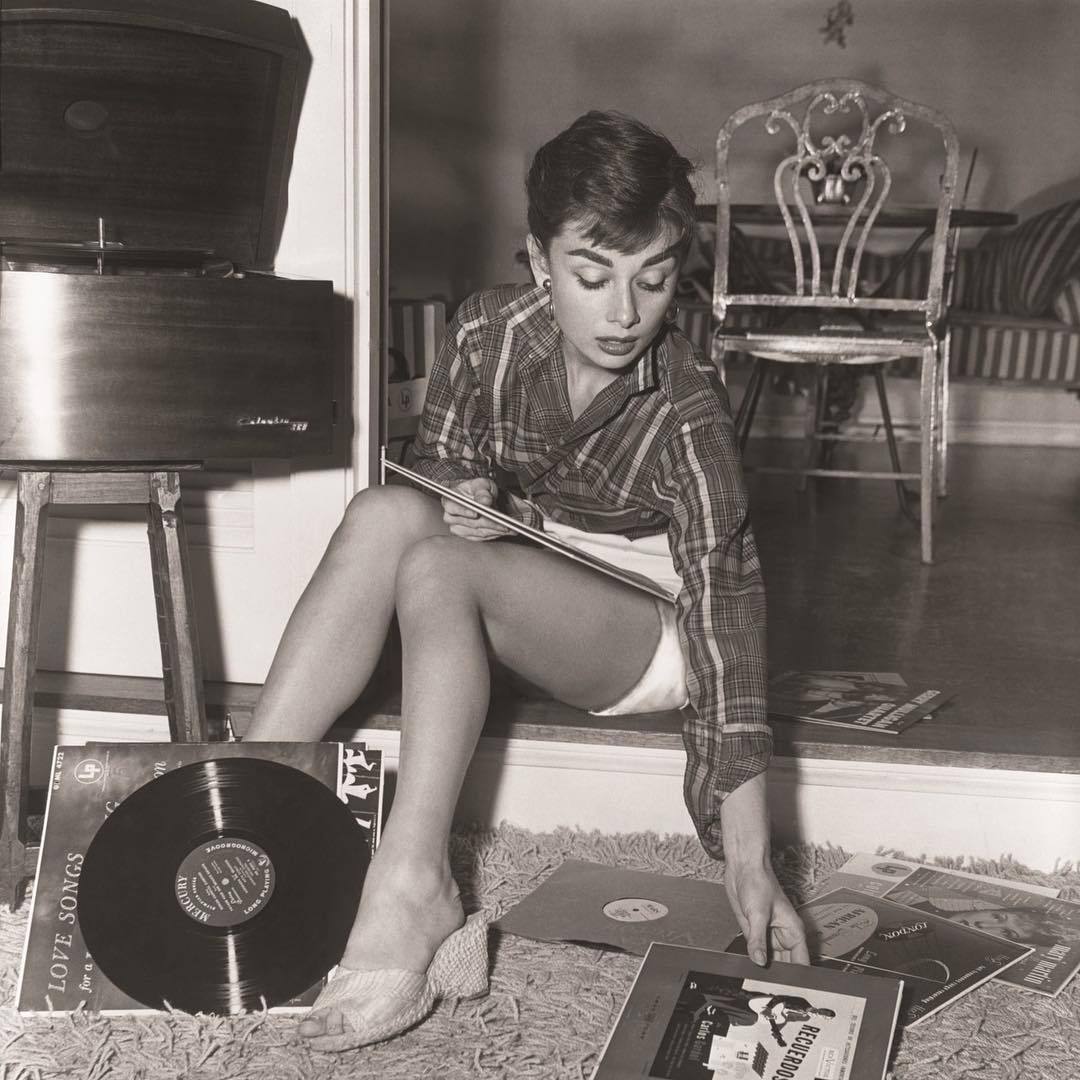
(584, 381)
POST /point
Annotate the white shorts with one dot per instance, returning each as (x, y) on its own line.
(662, 685)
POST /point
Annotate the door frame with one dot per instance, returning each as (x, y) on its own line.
(366, 185)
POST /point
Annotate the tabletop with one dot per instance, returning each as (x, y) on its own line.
(889, 217)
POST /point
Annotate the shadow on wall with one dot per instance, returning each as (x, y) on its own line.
(1054, 195)
(443, 133)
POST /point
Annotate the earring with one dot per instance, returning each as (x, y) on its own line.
(546, 283)
(673, 311)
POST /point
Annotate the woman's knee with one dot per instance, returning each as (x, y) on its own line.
(393, 510)
(431, 573)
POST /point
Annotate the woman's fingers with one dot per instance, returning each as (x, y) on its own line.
(466, 522)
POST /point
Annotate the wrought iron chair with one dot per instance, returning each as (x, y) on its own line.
(831, 189)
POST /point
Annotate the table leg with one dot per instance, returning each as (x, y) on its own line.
(180, 662)
(27, 578)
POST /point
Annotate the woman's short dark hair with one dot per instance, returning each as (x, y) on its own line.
(619, 180)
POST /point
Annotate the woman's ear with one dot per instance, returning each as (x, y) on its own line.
(538, 260)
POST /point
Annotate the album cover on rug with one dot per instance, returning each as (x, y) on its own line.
(527, 532)
(938, 960)
(591, 903)
(877, 874)
(701, 1013)
(1015, 910)
(1051, 926)
(863, 700)
(90, 784)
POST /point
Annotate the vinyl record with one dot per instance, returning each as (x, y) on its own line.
(222, 885)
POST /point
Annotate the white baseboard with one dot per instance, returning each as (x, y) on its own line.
(923, 810)
(920, 809)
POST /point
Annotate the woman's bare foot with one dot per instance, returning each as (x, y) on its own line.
(407, 910)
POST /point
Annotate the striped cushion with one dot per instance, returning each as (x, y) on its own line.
(1047, 354)
(1039, 352)
(1067, 302)
(983, 287)
(415, 334)
(1027, 266)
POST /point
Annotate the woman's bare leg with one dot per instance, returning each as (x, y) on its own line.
(578, 635)
(336, 632)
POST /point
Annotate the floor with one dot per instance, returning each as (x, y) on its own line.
(996, 618)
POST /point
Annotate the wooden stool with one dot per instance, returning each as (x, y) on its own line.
(159, 491)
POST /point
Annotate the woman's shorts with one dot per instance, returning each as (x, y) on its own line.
(662, 685)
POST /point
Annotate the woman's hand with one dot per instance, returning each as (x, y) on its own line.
(765, 915)
(467, 523)
(768, 921)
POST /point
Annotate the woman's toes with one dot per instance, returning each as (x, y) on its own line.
(322, 1022)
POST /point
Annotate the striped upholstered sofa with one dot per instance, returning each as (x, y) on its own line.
(1016, 314)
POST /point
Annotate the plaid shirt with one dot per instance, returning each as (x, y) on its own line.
(654, 452)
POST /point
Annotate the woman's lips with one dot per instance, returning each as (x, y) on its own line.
(617, 346)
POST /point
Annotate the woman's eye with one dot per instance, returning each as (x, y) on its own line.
(653, 286)
(590, 283)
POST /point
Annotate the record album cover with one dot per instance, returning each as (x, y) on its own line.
(937, 959)
(864, 700)
(877, 874)
(527, 532)
(1017, 911)
(623, 909)
(87, 786)
(698, 1013)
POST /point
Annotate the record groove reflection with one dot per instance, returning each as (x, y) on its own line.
(221, 885)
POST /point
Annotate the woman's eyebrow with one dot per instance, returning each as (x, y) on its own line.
(667, 253)
(592, 256)
(585, 253)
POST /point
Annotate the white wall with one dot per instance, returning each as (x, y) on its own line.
(475, 87)
(256, 533)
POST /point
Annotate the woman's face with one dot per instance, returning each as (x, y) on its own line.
(1014, 925)
(608, 305)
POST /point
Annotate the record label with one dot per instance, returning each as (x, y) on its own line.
(635, 909)
(224, 882)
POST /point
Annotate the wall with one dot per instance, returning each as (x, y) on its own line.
(475, 87)
(255, 531)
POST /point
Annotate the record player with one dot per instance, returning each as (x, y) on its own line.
(144, 151)
(144, 157)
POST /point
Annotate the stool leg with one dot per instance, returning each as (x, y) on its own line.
(27, 576)
(744, 417)
(180, 662)
(815, 414)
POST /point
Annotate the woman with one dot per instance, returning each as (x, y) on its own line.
(1027, 925)
(618, 436)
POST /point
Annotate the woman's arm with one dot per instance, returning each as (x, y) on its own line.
(768, 921)
(451, 443)
(722, 628)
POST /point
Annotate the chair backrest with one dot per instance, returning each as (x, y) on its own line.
(829, 190)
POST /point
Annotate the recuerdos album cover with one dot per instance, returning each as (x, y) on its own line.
(699, 1013)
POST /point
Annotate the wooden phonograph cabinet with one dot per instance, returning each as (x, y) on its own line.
(144, 159)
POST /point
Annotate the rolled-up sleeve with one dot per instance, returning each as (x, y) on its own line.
(451, 441)
(721, 615)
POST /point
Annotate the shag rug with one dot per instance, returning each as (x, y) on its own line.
(550, 1006)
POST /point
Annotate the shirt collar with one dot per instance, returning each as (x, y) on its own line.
(529, 316)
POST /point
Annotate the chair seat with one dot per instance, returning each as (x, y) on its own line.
(827, 345)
